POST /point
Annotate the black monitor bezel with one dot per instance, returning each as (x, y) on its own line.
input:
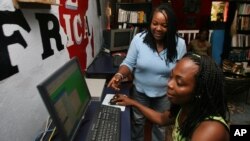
(49, 104)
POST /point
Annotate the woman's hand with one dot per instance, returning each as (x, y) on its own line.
(114, 83)
(124, 100)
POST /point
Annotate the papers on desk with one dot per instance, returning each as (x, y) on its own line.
(107, 99)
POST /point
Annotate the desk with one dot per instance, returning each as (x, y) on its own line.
(101, 67)
(237, 85)
(125, 133)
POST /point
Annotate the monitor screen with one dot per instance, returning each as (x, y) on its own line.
(66, 97)
(117, 39)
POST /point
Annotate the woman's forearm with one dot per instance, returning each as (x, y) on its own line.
(152, 115)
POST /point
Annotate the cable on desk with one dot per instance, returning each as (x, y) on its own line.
(40, 136)
(46, 130)
(51, 136)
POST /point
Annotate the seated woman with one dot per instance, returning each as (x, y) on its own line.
(201, 45)
(196, 92)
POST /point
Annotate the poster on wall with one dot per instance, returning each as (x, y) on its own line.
(219, 11)
(218, 15)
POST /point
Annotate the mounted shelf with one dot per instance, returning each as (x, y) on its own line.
(35, 4)
(131, 14)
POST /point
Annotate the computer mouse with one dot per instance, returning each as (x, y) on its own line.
(113, 100)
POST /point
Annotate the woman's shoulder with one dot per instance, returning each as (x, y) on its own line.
(180, 39)
(211, 130)
(181, 44)
(141, 34)
(138, 38)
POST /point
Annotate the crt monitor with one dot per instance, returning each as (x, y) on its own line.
(117, 39)
(66, 97)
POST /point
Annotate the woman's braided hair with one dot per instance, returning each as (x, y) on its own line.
(208, 95)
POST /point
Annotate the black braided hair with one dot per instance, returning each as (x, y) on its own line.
(208, 96)
(170, 39)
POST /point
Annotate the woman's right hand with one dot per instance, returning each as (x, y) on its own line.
(124, 100)
(114, 83)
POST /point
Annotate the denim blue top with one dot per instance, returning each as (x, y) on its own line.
(151, 72)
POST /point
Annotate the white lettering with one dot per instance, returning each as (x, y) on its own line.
(243, 131)
(237, 132)
(78, 37)
(240, 132)
(68, 29)
(71, 5)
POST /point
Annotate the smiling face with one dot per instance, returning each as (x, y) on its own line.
(159, 25)
(182, 82)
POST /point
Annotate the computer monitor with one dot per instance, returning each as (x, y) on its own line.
(117, 39)
(66, 96)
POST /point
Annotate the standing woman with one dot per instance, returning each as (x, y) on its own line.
(151, 57)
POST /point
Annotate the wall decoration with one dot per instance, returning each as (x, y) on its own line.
(218, 15)
(75, 23)
(219, 11)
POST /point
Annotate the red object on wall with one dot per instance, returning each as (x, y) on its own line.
(75, 11)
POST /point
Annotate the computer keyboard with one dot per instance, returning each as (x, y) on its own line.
(106, 124)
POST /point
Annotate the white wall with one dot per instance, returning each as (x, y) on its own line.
(23, 113)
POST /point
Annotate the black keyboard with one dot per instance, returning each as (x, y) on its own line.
(106, 125)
